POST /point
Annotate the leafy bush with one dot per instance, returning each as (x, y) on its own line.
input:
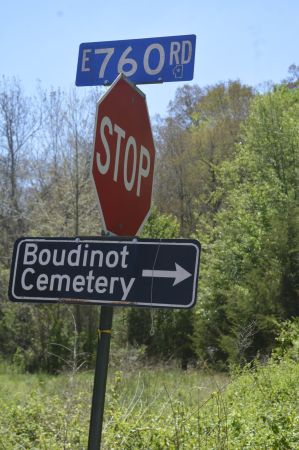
(160, 409)
(258, 410)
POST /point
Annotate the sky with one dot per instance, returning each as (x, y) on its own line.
(254, 41)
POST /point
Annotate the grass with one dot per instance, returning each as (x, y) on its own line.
(52, 412)
(155, 409)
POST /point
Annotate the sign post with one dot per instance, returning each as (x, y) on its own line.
(108, 271)
(116, 271)
(100, 379)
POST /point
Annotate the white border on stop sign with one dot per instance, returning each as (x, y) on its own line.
(120, 76)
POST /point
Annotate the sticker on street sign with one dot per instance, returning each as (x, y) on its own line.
(142, 61)
(106, 271)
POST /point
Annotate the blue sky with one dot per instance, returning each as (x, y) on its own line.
(254, 41)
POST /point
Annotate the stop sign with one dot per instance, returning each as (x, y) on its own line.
(123, 159)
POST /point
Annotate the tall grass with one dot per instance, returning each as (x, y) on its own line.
(155, 409)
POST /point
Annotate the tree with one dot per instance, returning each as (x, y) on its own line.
(19, 122)
(49, 193)
(200, 132)
(166, 333)
(249, 282)
(141, 320)
(62, 201)
(171, 191)
(292, 81)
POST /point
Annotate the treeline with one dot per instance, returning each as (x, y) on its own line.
(226, 174)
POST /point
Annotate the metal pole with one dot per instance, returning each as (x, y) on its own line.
(100, 378)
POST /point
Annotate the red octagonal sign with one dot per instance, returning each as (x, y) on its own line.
(123, 160)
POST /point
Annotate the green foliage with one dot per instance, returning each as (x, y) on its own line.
(140, 320)
(250, 282)
(165, 333)
(161, 226)
(226, 172)
(288, 340)
(157, 409)
(43, 338)
(265, 407)
(258, 409)
(38, 412)
(200, 132)
(45, 187)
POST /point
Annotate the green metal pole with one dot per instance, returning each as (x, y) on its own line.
(100, 378)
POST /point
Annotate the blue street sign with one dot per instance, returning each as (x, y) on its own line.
(142, 61)
(106, 271)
